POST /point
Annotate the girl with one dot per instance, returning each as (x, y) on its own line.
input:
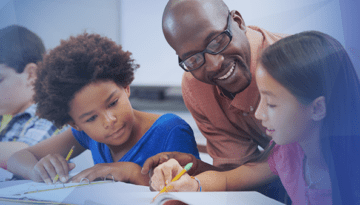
(310, 106)
(84, 82)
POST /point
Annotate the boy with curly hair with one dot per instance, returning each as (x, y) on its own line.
(20, 50)
(85, 82)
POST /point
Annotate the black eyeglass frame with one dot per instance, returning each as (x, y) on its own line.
(206, 50)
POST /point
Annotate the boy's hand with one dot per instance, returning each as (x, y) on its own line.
(51, 165)
(164, 173)
(182, 158)
(121, 171)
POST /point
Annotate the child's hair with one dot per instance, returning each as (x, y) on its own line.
(74, 64)
(312, 64)
(19, 47)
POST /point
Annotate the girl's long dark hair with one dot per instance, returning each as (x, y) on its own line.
(312, 64)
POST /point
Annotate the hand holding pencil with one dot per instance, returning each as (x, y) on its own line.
(52, 168)
(67, 159)
(170, 176)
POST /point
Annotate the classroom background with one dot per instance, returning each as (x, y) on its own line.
(136, 25)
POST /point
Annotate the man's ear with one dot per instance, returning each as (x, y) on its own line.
(238, 19)
(30, 70)
(318, 109)
(73, 125)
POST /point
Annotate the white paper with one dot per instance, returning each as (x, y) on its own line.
(59, 192)
(124, 193)
(5, 175)
(229, 198)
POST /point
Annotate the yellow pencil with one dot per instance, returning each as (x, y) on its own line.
(167, 188)
(67, 159)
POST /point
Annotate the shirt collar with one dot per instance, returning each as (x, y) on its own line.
(29, 111)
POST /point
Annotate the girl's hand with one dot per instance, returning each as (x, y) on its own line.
(49, 166)
(121, 171)
(164, 173)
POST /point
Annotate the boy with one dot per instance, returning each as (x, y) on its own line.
(20, 50)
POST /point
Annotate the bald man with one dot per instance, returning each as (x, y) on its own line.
(219, 55)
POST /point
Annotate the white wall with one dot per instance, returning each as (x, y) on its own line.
(137, 25)
(53, 20)
(142, 33)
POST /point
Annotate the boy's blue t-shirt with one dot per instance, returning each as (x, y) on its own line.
(168, 133)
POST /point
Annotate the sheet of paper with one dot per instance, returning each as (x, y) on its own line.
(229, 198)
(124, 193)
(195, 198)
(5, 175)
(59, 192)
(31, 187)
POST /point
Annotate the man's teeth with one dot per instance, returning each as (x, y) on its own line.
(228, 73)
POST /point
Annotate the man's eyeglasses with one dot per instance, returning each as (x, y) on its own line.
(217, 45)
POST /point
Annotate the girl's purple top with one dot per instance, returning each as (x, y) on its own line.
(286, 161)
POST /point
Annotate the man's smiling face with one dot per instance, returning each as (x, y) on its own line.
(189, 30)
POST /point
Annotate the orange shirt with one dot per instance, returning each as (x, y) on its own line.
(232, 132)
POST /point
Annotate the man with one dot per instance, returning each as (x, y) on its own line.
(219, 54)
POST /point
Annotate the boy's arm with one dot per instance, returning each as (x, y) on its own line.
(22, 163)
(9, 148)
